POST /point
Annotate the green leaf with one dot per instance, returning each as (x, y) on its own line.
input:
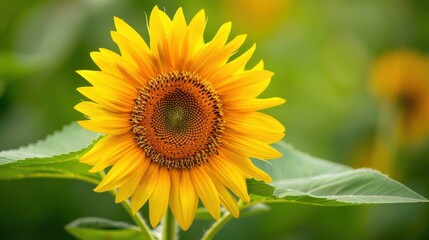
(56, 156)
(249, 211)
(256, 209)
(91, 228)
(301, 178)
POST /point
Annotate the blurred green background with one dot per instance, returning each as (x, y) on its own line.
(322, 53)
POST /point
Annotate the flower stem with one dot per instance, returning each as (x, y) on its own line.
(169, 226)
(226, 217)
(217, 226)
(138, 219)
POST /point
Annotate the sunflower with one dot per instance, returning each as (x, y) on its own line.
(401, 78)
(180, 118)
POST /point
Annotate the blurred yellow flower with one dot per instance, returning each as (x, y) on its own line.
(180, 118)
(402, 79)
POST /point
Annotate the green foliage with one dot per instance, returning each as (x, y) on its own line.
(54, 157)
(249, 211)
(92, 228)
(300, 178)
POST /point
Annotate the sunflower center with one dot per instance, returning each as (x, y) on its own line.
(408, 102)
(176, 110)
(178, 120)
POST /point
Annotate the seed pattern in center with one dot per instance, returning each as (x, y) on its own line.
(178, 120)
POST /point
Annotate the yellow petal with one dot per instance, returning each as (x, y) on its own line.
(123, 170)
(220, 55)
(256, 120)
(105, 64)
(159, 32)
(211, 50)
(245, 165)
(145, 188)
(108, 147)
(227, 200)
(111, 156)
(158, 201)
(206, 190)
(91, 109)
(223, 71)
(112, 63)
(109, 82)
(259, 65)
(188, 200)
(247, 105)
(256, 125)
(183, 199)
(238, 82)
(193, 40)
(221, 36)
(176, 40)
(109, 100)
(230, 176)
(249, 91)
(175, 193)
(251, 147)
(128, 189)
(107, 125)
(239, 63)
(142, 58)
(261, 136)
(126, 30)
